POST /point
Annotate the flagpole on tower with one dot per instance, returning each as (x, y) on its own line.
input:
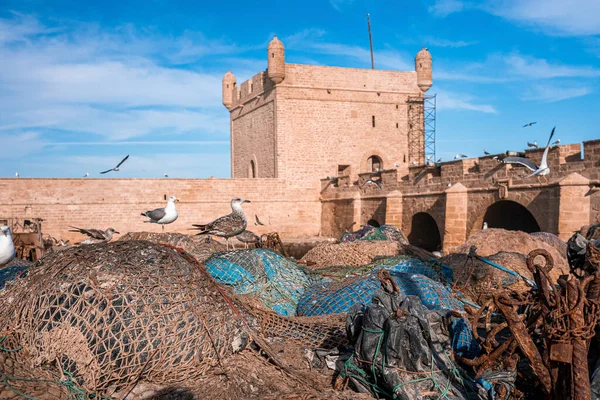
(370, 41)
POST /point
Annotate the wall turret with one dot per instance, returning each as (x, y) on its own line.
(276, 63)
(228, 89)
(423, 68)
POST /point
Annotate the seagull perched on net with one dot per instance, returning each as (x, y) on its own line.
(7, 246)
(529, 124)
(228, 225)
(541, 170)
(94, 235)
(117, 167)
(248, 237)
(534, 144)
(164, 215)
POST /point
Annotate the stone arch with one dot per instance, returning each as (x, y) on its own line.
(424, 232)
(373, 222)
(366, 164)
(510, 215)
(374, 163)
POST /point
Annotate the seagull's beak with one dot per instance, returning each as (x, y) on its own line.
(177, 200)
(118, 232)
(246, 201)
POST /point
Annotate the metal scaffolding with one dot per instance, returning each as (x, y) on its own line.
(421, 129)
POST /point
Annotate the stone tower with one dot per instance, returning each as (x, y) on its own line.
(228, 86)
(301, 123)
(423, 68)
(276, 63)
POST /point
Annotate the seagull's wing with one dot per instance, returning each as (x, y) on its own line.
(525, 125)
(108, 170)
(526, 162)
(93, 233)
(544, 162)
(156, 215)
(122, 161)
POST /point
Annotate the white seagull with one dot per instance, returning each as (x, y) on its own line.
(117, 167)
(164, 215)
(16, 174)
(7, 247)
(534, 144)
(541, 170)
(86, 175)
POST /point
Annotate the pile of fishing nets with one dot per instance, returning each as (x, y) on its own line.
(349, 253)
(111, 315)
(369, 232)
(200, 247)
(427, 280)
(402, 350)
(275, 280)
(16, 268)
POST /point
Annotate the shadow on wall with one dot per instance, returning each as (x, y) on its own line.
(425, 233)
(512, 216)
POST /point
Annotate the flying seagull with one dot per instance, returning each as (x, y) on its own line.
(375, 182)
(257, 220)
(117, 167)
(94, 235)
(7, 247)
(485, 152)
(556, 143)
(86, 175)
(534, 144)
(166, 176)
(164, 215)
(541, 170)
(248, 237)
(529, 124)
(228, 225)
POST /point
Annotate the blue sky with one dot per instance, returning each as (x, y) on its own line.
(84, 83)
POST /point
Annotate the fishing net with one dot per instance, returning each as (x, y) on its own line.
(403, 350)
(339, 296)
(368, 232)
(200, 247)
(113, 314)
(277, 281)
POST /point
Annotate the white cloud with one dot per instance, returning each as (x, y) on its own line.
(20, 144)
(553, 93)
(461, 101)
(554, 17)
(443, 8)
(337, 4)
(439, 42)
(118, 84)
(538, 68)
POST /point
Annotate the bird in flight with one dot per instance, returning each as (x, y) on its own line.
(534, 144)
(485, 152)
(377, 183)
(257, 220)
(556, 143)
(117, 167)
(529, 124)
(86, 175)
(541, 170)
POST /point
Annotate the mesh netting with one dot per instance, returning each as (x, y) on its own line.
(338, 297)
(112, 314)
(401, 263)
(275, 280)
(368, 232)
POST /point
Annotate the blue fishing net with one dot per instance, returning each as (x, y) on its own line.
(11, 273)
(277, 281)
(325, 298)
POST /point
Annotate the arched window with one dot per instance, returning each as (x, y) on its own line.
(374, 164)
(252, 170)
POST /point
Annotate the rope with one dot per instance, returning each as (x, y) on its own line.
(500, 267)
